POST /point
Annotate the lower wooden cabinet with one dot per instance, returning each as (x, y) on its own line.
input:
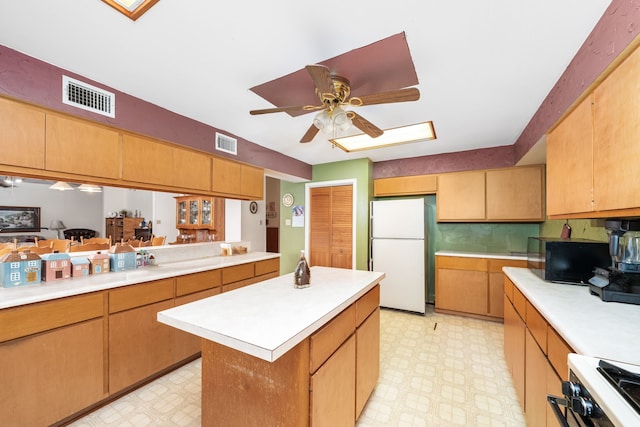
(50, 376)
(536, 356)
(472, 285)
(62, 356)
(333, 388)
(367, 359)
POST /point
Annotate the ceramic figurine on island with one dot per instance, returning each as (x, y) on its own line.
(302, 274)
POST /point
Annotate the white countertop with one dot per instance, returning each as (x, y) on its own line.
(21, 295)
(590, 326)
(522, 256)
(269, 318)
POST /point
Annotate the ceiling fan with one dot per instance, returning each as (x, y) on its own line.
(334, 92)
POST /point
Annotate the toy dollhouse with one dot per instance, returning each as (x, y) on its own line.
(98, 263)
(79, 266)
(20, 268)
(56, 266)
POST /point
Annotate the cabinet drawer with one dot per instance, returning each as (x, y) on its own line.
(198, 282)
(331, 336)
(367, 304)
(558, 350)
(495, 265)
(267, 266)
(461, 263)
(139, 295)
(538, 326)
(237, 272)
(519, 302)
(30, 319)
(508, 288)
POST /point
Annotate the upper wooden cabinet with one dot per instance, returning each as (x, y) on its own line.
(616, 184)
(570, 163)
(21, 135)
(586, 152)
(151, 161)
(236, 179)
(405, 185)
(83, 148)
(497, 195)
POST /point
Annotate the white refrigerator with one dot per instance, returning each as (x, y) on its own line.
(398, 249)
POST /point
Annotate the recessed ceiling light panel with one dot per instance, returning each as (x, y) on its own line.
(401, 135)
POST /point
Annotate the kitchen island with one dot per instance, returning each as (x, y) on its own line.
(276, 355)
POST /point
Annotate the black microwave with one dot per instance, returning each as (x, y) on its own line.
(566, 260)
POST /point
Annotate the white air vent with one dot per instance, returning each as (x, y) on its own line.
(227, 144)
(88, 97)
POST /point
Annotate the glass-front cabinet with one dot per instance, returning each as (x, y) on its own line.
(198, 217)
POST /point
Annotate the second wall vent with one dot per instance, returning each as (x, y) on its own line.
(88, 97)
(227, 144)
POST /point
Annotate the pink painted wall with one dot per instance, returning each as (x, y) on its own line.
(31, 80)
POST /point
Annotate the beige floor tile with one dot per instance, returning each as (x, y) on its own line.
(435, 370)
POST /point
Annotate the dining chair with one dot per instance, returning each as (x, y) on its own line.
(60, 245)
(158, 241)
(91, 240)
(36, 249)
(42, 243)
(90, 247)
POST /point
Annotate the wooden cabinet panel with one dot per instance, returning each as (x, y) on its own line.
(405, 185)
(251, 182)
(515, 194)
(267, 266)
(514, 348)
(554, 387)
(50, 376)
(462, 263)
(520, 303)
(146, 160)
(22, 135)
(333, 389)
(570, 162)
(139, 345)
(30, 319)
(367, 358)
(461, 196)
(191, 169)
(496, 294)
(558, 351)
(535, 384)
(224, 176)
(83, 148)
(367, 304)
(325, 341)
(133, 296)
(196, 282)
(537, 325)
(237, 272)
(616, 136)
(461, 290)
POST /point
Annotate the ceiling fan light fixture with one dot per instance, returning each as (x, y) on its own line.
(401, 135)
(322, 121)
(341, 120)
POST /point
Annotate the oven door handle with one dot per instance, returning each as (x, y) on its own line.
(555, 403)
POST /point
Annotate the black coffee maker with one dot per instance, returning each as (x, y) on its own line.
(621, 281)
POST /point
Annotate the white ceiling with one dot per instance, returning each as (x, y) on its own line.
(484, 66)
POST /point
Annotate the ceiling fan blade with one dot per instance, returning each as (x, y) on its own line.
(321, 77)
(311, 133)
(365, 125)
(291, 109)
(399, 95)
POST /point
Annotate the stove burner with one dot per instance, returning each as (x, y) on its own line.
(625, 382)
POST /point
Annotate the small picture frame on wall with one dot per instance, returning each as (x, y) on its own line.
(18, 219)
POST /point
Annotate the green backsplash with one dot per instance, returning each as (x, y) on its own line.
(592, 229)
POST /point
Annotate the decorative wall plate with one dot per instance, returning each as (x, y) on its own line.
(287, 200)
(253, 207)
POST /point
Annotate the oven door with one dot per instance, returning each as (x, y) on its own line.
(564, 415)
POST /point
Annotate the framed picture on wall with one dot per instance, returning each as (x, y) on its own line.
(14, 219)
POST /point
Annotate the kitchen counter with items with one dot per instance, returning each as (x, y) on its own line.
(589, 325)
(17, 296)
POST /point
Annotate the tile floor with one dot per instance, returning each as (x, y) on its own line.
(436, 370)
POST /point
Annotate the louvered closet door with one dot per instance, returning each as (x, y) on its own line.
(331, 220)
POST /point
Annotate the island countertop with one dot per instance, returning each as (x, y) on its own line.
(269, 318)
(44, 291)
